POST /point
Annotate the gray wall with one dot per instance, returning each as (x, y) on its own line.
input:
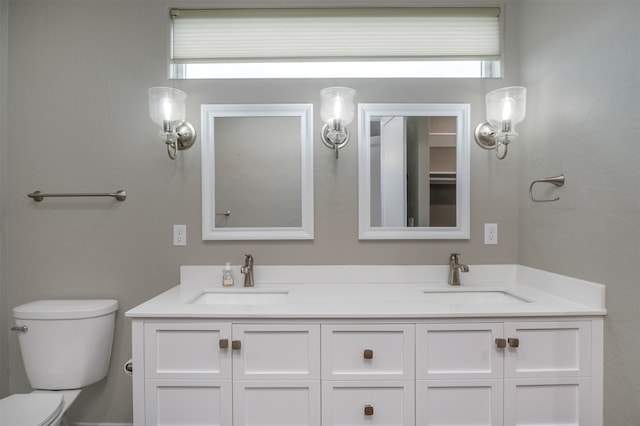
(4, 37)
(581, 66)
(78, 74)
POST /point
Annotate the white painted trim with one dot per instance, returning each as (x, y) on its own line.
(100, 424)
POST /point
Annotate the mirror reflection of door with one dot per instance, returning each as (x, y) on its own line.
(413, 171)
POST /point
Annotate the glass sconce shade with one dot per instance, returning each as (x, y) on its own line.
(167, 105)
(337, 110)
(337, 104)
(506, 107)
(167, 108)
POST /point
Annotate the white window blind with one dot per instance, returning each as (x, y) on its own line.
(364, 34)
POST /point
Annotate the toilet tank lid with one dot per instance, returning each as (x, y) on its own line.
(65, 309)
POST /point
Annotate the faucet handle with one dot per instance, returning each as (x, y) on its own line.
(454, 257)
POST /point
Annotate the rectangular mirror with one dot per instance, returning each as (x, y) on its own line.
(413, 171)
(257, 172)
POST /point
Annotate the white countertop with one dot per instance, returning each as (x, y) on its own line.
(377, 291)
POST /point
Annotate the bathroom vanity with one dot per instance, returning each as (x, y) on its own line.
(370, 345)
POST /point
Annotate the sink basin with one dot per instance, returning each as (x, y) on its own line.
(471, 296)
(241, 297)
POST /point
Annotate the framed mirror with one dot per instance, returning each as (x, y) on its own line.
(413, 171)
(257, 172)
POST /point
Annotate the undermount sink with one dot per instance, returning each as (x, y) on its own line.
(245, 296)
(472, 296)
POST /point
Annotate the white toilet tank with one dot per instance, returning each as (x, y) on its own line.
(66, 343)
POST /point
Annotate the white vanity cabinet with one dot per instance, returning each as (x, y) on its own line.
(505, 373)
(385, 371)
(210, 373)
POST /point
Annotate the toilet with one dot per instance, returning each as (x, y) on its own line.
(65, 346)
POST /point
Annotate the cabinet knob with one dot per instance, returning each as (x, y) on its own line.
(368, 410)
(223, 343)
(501, 343)
(513, 342)
(236, 345)
(368, 354)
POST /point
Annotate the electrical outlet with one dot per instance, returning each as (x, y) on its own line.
(179, 235)
(491, 233)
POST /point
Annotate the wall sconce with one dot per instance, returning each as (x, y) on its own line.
(505, 108)
(337, 111)
(167, 109)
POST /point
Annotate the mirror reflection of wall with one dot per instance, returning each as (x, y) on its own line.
(258, 172)
(413, 171)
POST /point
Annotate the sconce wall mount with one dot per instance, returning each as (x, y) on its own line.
(505, 108)
(167, 109)
(337, 111)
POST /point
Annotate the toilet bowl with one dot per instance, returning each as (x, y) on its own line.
(65, 346)
(30, 409)
(38, 408)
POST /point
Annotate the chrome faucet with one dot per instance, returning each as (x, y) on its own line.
(247, 270)
(455, 268)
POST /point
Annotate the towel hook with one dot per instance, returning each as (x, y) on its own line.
(558, 181)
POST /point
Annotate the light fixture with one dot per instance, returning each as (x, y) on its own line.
(167, 109)
(337, 111)
(505, 108)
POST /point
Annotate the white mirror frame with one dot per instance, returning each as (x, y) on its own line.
(208, 115)
(462, 229)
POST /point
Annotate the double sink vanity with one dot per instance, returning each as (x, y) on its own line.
(370, 345)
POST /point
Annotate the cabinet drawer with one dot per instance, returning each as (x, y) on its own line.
(188, 402)
(458, 351)
(368, 352)
(276, 352)
(459, 402)
(281, 403)
(549, 349)
(368, 403)
(187, 350)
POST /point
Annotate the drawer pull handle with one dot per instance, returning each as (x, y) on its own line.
(501, 343)
(368, 354)
(513, 342)
(223, 343)
(368, 410)
(236, 345)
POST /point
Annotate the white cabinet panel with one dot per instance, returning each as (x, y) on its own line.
(182, 350)
(561, 401)
(277, 352)
(459, 402)
(276, 403)
(368, 352)
(187, 403)
(458, 351)
(548, 349)
(389, 403)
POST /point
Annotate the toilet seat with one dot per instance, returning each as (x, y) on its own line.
(32, 409)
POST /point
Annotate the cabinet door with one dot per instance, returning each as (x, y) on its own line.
(458, 351)
(282, 403)
(560, 401)
(276, 352)
(368, 352)
(187, 350)
(548, 349)
(459, 402)
(188, 403)
(389, 403)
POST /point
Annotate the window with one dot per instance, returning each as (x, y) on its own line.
(309, 43)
